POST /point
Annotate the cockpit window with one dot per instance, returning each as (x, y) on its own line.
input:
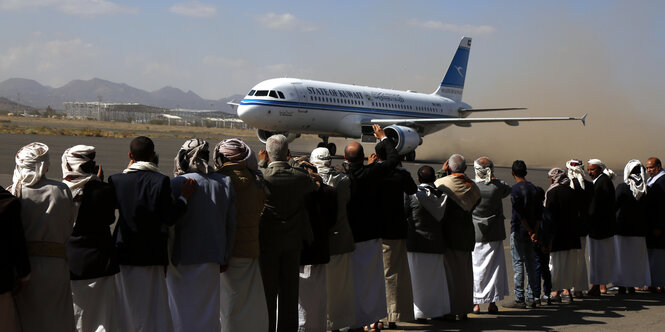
(281, 95)
(273, 94)
(251, 93)
(261, 93)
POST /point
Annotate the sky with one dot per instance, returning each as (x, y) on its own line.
(604, 58)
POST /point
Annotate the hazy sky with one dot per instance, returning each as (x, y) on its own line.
(604, 58)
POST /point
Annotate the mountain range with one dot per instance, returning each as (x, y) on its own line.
(32, 93)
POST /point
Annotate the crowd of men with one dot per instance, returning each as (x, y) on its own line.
(238, 241)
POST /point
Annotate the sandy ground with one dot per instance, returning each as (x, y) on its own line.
(639, 311)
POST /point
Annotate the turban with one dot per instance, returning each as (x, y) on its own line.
(602, 166)
(235, 150)
(635, 178)
(558, 177)
(32, 162)
(192, 158)
(575, 171)
(483, 174)
(78, 167)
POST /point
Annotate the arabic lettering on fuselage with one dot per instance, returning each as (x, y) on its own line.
(382, 96)
(334, 93)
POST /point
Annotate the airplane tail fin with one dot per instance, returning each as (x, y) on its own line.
(452, 85)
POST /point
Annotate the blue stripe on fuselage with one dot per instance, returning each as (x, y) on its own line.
(348, 109)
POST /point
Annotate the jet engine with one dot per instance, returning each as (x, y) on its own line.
(406, 140)
(264, 134)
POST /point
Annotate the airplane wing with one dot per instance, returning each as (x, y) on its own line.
(466, 122)
(233, 104)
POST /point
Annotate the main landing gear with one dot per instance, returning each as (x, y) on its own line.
(411, 156)
(332, 148)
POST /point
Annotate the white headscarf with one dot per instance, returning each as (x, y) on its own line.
(602, 166)
(32, 163)
(575, 171)
(483, 174)
(142, 166)
(637, 182)
(321, 158)
(72, 174)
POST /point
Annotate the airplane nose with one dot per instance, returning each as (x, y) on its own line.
(247, 113)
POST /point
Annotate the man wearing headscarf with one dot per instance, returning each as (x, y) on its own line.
(561, 212)
(146, 209)
(656, 214)
(490, 278)
(459, 235)
(14, 263)
(602, 218)
(93, 262)
(424, 211)
(584, 191)
(243, 300)
(339, 271)
(283, 227)
(48, 215)
(632, 260)
(524, 233)
(203, 240)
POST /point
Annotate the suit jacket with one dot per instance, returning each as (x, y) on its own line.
(656, 214)
(391, 195)
(284, 222)
(584, 196)
(488, 218)
(561, 215)
(90, 250)
(322, 213)
(425, 233)
(602, 218)
(365, 182)
(146, 209)
(631, 214)
(14, 261)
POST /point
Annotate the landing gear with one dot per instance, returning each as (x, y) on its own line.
(411, 156)
(332, 148)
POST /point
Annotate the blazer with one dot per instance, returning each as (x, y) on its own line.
(14, 263)
(584, 197)
(391, 195)
(602, 217)
(631, 214)
(561, 215)
(322, 212)
(488, 219)
(146, 209)
(425, 233)
(656, 214)
(365, 180)
(284, 223)
(90, 250)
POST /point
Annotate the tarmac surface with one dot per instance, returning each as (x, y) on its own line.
(640, 311)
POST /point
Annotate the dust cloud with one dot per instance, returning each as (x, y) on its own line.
(566, 71)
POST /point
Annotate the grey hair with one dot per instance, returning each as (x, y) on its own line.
(489, 164)
(277, 147)
(457, 163)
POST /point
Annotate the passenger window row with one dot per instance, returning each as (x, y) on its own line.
(336, 100)
(264, 93)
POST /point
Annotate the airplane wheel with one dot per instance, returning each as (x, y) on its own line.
(332, 148)
(321, 145)
(411, 156)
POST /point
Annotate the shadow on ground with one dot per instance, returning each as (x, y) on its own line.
(588, 313)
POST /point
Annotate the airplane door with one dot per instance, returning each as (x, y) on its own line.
(305, 118)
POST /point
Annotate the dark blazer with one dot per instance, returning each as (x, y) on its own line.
(322, 211)
(425, 233)
(90, 249)
(391, 195)
(561, 216)
(656, 214)
(146, 210)
(458, 230)
(602, 217)
(584, 197)
(365, 181)
(14, 263)
(631, 213)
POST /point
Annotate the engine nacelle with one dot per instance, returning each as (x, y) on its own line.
(406, 139)
(264, 134)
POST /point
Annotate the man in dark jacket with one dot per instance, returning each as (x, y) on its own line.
(392, 188)
(601, 227)
(656, 214)
(146, 208)
(584, 192)
(14, 263)
(366, 227)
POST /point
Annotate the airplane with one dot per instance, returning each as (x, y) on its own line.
(293, 106)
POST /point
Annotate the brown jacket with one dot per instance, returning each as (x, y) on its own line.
(249, 205)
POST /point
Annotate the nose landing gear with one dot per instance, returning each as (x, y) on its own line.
(332, 148)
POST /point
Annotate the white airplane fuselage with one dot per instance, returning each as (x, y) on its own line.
(338, 110)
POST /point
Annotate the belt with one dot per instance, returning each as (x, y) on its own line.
(46, 249)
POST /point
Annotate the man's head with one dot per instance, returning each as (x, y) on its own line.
(142, 149)
(277, 147)
(653, 166)
(595, 168)
(380, 153)
(354, 152)
(457, 163)
(519, 168)
(426, 174)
